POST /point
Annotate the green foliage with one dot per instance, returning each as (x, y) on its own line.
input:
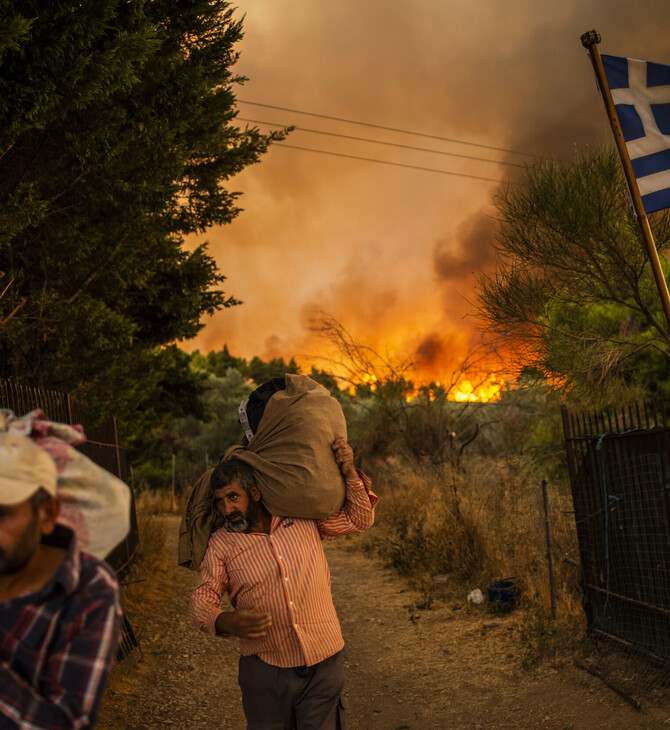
(395, 421)
(572, 295)
(197, 437)
(526, 423)
(327, 380)
(260, 371)
(217, 363)
(117, 139)
(257, 370)
(199, 434)
(168, 389)
(199, 442)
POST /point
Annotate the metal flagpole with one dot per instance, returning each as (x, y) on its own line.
(590, 41)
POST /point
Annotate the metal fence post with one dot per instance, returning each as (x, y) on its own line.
(118, 453)
(550, 564)
(174, 505)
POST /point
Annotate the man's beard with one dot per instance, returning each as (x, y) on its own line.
(16, 561)
(246, 520)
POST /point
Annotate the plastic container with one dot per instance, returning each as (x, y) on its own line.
(502, 593)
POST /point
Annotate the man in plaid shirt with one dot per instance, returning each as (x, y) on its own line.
(60, 612)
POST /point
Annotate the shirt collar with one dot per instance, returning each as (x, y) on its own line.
(67, 575)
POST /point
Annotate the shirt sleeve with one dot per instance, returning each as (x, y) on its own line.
(74, 673)
(205, 605)
(357, 513)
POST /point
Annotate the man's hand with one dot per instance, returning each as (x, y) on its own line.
(344, 456)
(247, 623)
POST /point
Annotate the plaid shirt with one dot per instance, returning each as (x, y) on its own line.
(57, 644)
(284, 573)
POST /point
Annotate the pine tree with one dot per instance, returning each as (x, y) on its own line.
(117, 140)
(572, 297)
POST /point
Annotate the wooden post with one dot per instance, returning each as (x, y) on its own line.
(550, 564)
(590, 41)
(174, 505)
(116, 443)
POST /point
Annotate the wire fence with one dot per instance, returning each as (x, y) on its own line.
(619, 464)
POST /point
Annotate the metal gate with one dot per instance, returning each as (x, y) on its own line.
(620, 478)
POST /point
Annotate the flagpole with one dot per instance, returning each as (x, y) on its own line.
(590, 41)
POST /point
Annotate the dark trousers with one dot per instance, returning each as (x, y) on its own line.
(300, 698)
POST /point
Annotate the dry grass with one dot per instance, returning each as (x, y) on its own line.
(160, 501)
(475, 527)
(469, 527)
(142, 588)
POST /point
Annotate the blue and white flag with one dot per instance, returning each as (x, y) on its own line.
(641, 94)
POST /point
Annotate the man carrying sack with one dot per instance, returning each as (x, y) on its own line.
(276, 575)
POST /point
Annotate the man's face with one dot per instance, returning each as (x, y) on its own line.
(20, 536)
(237, 508)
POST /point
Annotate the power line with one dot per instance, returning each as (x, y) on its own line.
(388, 129)
(388, 144)
(386, 162)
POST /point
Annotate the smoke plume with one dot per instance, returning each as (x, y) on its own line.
(393, 251)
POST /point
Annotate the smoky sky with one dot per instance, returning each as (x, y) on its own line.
(393, 252)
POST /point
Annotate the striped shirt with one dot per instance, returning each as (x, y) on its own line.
(285, 573)
(57, 644)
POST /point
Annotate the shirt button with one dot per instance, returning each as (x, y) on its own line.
(286, 579)
(290, 603)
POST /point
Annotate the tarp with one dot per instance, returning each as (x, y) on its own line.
(94, 503)
(197, 524)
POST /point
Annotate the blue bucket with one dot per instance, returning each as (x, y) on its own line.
(502, 593)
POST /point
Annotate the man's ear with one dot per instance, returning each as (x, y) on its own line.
(47, 514)
(255, 493)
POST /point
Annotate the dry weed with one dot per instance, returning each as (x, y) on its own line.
(480, 525)
(160, 501)
(141, 589)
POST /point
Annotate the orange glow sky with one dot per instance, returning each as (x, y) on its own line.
(392, 252)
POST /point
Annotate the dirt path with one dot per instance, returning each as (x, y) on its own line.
(408, 668)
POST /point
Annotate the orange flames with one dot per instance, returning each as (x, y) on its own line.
(483, 392)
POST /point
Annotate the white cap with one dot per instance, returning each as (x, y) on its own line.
(24, 468)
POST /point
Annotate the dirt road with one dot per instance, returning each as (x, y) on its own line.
(409, 667)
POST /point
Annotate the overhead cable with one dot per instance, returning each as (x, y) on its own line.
(389, 129)
(388, 144)
(387, 162)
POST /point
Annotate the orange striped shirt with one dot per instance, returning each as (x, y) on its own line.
(286, 574)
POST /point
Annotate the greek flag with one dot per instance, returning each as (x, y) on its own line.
(641, 94)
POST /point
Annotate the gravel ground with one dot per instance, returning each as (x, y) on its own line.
(410, 667)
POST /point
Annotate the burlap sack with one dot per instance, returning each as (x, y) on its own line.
(291, 453)
(196, 525)
(292, 459)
